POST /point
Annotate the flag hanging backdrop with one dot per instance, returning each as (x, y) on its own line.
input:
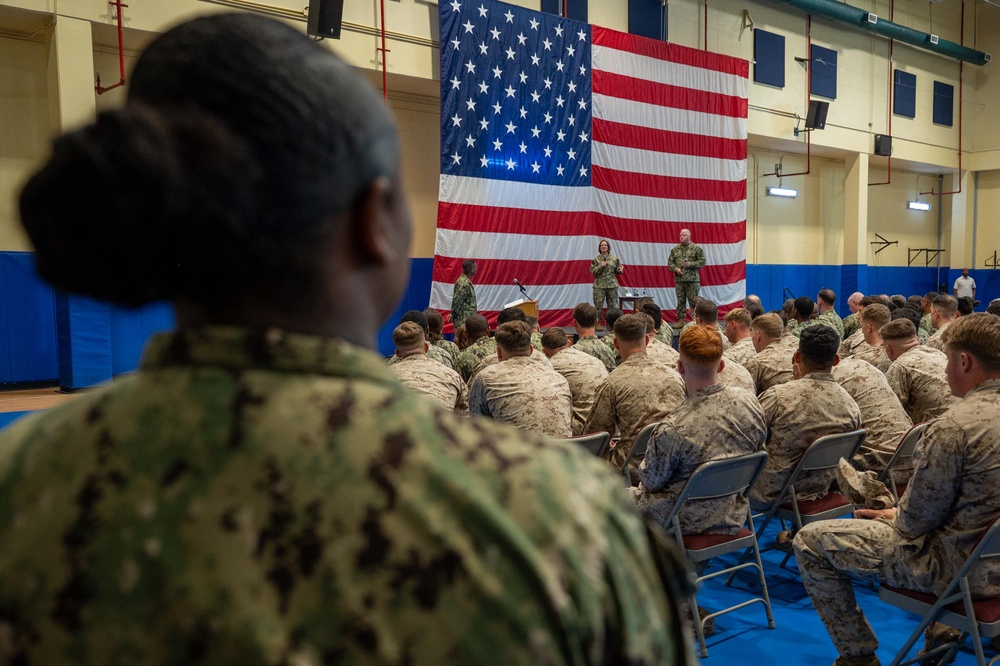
(556, 134)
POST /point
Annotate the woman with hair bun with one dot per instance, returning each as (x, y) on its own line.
(263, 490)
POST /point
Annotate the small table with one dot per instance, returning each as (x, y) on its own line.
(636, 302)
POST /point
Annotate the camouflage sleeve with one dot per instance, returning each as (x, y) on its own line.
(595, 266)
(936, 481)
(770, 405)
(477, 398)
(897, 383)
(672, 262)
(466, 362)
(657, 467)
(699, 257)
(602, 414)
(616, 265)
(462, 404)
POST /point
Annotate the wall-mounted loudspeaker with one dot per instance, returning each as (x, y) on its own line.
(883, 145)
(816, 118)
(325, 17)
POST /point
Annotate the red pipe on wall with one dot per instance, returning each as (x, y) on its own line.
(121, 53)
(808, 90)
(961, 40)
(383, 51)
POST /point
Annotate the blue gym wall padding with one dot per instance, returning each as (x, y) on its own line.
(28, 351)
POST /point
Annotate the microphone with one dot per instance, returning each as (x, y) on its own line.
(521, 287)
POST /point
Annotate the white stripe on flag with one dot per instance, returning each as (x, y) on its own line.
(670, 73)
(652, 116)
(661, 164)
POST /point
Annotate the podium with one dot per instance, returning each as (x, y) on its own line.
(528, 307)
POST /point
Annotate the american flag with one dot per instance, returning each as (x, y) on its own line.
(556, 134)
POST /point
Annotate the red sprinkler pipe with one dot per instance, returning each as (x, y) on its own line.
(808, 89)
(383, 51)
(961, 40)
(706, 25)
(888, 180)
(121, 53)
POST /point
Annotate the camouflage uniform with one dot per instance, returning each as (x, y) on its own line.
(522, 392)
(536, 340)
(423, 375)
(494, 358)
(926, 326)
(639, 391)
(952, 497)
(771, 366)
(874, 354)
(609, 340)
(665, 335)
(688, 282)
(665, 354)
(592, 345)
(584, 374)
(714, 423)
(830, 319)
(734, 374)
(850, 344)
(434, 353)
(936, 341)
(463, 300)
(473, 354)
(796, 413)
(851, 324)
(882, 416)
(451, 348)
(265, 498)
(917, 378)
(605, 280)
(741, 352)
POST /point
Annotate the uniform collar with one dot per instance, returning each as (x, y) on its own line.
(708, 390)
(820, 376)
(988, 385)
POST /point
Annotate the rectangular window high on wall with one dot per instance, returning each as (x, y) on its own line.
(904, 94)
(575, 9)
(944, 103)
(769, 58)
(824, 72)
(648, 18)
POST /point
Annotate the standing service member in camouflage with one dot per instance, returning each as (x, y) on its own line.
(605, 268)
(685, 260)
(263, 490)
(463, 297)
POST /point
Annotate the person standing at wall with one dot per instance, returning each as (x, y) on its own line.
(685, 261)
(964, 286)
(463, 297)
(605, 268)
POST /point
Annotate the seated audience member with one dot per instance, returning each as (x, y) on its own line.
(585, 320)
(913, 302)
(706, 313)
(417, 371)
(825, 301)
(994, 307)
(917, 374)
(735, 375)
(925, 309)
(882, 415)
(434, 353)
(481, 345)
(951, 498)
(898, 300)
(536, 332)
(799, 411)
(639, 391)
(755, 310)
(966, 306)
(462, 341)
(610, 317)
(913, 316)
(772, 364)
(663, 334)
(520, 391)
(714, 422)
(751, 298)
(788, 309)
(738, 332)
(583, 372)
(851, 320)
(872, 319)
(656, 350)
(508, 315)
(263, 489)
(944, 309)
(435, 327)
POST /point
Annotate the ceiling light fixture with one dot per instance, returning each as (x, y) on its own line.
(918, 205)
(782, 192)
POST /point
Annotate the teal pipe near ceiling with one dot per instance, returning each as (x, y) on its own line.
(858, 18)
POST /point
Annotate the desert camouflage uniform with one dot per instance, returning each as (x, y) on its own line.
(951, 498)
(605, 280)
(936, 341)
(789, 342)
(536, 355)
(882, 416)
(639, 391)
(734, 374)
(741, 352)
(850, 344)
(264, 498)
(463, 300)
(796, 413)
(524, 393)
(434, 353)
(451, 348)
(874, 354)
(771, 366)
(917, 378)
(592, 345)
(424, 375)
(665, 354)
(584, 374)
(714, 423)
(473, 354)
(851, 325)
(686, 284)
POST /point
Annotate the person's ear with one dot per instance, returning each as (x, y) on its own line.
(381, 228)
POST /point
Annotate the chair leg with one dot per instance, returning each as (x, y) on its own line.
(977, 642)
(699, 630)
(746, 553)
(763, 584)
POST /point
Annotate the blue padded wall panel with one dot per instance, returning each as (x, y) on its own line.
(823, 72)
(131, 329)
(647, 18)
(769, 58)
(944, 103)
(417, 297)
(84, 327)
(904, 93)
(27, 314)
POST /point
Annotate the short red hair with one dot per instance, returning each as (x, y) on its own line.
(701, 345)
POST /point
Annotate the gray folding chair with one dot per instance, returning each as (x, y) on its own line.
(715, 480)
(595, 442)
(905, 450)
(639, 445)
(953, 607)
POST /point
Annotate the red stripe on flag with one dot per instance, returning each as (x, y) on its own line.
(682, 55)
(668, 187)
(665, 141)
(661, 94)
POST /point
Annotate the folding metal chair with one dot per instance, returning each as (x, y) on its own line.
(954, 607)
(714, 480)
(639, 445)
(595, 442)
(905, 450)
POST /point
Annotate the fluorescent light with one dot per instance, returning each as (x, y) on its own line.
(782, 192)
(918, 205)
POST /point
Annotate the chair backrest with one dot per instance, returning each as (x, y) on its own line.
(595, 442)
(639, 444)
(905, 448)
(825, 452)
(721, 478)
(987, 547)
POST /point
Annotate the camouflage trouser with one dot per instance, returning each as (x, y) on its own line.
(685, 291)
(605, 294)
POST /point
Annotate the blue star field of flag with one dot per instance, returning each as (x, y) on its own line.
(515, 94)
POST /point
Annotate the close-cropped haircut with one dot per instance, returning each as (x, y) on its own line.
(755, 310)
(630, 328)
(945, 304)
(514, 336)
(977, 334)
(804, 306)
(898, 330)
(707, 310)
(511, 314)
(650, 325)
(828, 296)
(741, 316)
(417, 317)
(781, 315)
(701, 345)
(408, 335)
(554, 338)
(768, 324)
(585, 315)
(877, 315)
(611, 316)
(240, 150)
(994, 307)
(898, 300)
(467, 266)
(966, 306)
(906, 313)
(818, 346)
(914, 302)
(653, 310)
(477, 326)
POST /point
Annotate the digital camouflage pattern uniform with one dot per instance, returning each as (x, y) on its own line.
(688, 283)
(951, 498)
(593, 346)
(714, 423)
(772, 365)
(851, 324)
(735, 375)
(936, 341)
(796, 413)
(523, 392)
(434, 353)
(874, 354)
(918, 380)
(605, 280)
(584, 374)
(473, 354)
(663, 353)
(741, 352)
(486, 361)
(264, 498)
(665, 335)
(926, 326)
(830, 319)
(463, 300)
(425, 375)
(639, 391)
(882, 416)
(449, 347)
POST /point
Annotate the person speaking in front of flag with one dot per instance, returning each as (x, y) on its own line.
(685, 260)
(605, 268)
(463, 297)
